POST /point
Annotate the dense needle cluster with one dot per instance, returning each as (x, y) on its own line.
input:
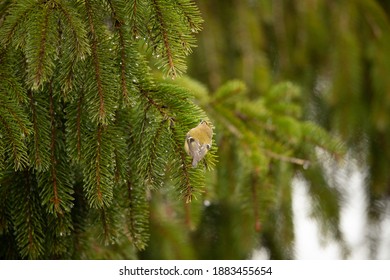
(86, 131)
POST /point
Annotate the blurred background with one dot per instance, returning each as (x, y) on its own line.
(315, 195)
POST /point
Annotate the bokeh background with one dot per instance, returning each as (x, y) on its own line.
(338, 53)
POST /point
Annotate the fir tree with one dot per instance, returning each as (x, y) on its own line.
(92, 163)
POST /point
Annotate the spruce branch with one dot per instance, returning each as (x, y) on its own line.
(98, 166)
(164, 33)
(138, 214)
(76, 127)
(284, 158)
(41, 46)
(125, 50)
(109, 221)
(169, 34)
(14, 25)
(96, 63)
(54, 183)
(123, 64)
(102, 82)
(186, 189)
(27, 217)
(99, 169)
(10, 83)
(157, 159)
(74, 25)
(13, 109)
(136, 11)
(41, 133)
(39, 73)
(15, 126)
(17, 147)
(58, 236)
(191, 14)
(73, 43)
(315, 135)
(55, 200)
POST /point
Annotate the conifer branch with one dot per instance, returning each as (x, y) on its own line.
(54, 180)
(73, 44)
(284, 158)
(11, 137)
(107, 234)
(78, 125)
(135, 230)
(154, 154)
(185, 173)
(165, 38)
(190, 13)
(138, 211)
(77, 29)
(16, 117)
(153, 103)
(129, 188)
(42, 48)
(38, 159)
(14, 22)
(14, 125)
(98, 166)
(21, 123)
(10, 83)
(27, 217)
(96, 63)
(133, 16)
(123, 64)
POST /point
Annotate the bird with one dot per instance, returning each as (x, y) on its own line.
(198, 141)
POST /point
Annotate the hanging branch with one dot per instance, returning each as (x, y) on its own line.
(101, 112)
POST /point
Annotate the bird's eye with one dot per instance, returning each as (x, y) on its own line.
(208, 146)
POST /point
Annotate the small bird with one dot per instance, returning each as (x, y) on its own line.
(198, 141)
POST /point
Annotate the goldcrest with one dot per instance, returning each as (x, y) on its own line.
(198, 141)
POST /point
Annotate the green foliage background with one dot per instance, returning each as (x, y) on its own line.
(338, 53)
(94, 109)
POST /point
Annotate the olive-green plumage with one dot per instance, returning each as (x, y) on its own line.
(198, 141)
